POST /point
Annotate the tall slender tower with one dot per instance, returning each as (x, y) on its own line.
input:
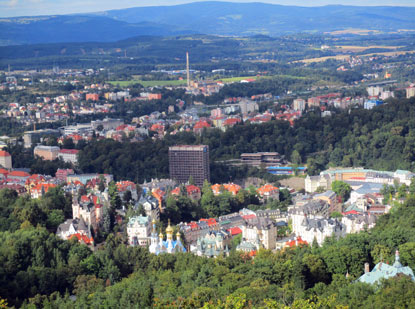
(187, 70)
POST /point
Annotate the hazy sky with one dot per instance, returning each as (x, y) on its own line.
(10, 8)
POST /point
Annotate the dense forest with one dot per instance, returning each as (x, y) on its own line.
(39, 270)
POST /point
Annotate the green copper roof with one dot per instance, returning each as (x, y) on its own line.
(385, 271)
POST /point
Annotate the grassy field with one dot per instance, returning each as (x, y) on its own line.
(237, 79)
(354, 31)
(346, 57)
(350, 48)
(149, 83)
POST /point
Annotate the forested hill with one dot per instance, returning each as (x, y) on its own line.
(44, 271)
(219, 18)
(382, 138)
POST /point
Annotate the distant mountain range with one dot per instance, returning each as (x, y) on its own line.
(220, 18)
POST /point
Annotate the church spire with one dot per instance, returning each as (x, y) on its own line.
(397, 263)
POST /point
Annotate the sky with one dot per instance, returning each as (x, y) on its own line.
(9, 8)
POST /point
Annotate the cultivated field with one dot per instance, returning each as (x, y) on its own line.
(149, 83)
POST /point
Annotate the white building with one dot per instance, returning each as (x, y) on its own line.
(5, 159)
(318, 229)
(69, 155)
(354, 223)
(138, 231)
(260, 228)
(314, 182)
(299, 104)
(374, 91)
(72, 226)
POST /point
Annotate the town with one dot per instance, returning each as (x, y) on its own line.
(186, 169)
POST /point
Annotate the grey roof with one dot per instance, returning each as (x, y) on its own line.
(78, 224)
(321, 223)
(260, 223)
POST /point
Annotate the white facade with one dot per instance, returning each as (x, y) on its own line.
(299, 104)
(263, 229)
(5, 160)
(138, 230)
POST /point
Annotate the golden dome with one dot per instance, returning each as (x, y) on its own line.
(161, 235)
(169, 229)
(153, 221)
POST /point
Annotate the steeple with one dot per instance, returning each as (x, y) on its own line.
(169, 232)
(397, 263)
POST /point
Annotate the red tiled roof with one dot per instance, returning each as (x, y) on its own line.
(3, 171)
(191, 189)
(83, 238)
(210, 221)
(266, 189)
(69, 151)
(235, 231)
(231, 121)
(4, 153)
(175, 191)
(19, 174)
(247, 217)
(296, 242)
(201, 124)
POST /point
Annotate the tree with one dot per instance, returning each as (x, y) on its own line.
(342, 189)
(296, 157)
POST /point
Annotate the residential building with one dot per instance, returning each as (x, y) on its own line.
(151, 206)
(269, 191)
(5, 160)
(48, 153)
(92, 97)
(69, 155)
(299, 104)
(61, 174)
(72, 226)
(312, 183)
(354, 223)
(374, 91)
(410, 92)
(262, 229)
(187, 161)
(313, 102)
(138, 231)
(248, 106)
(318, 229)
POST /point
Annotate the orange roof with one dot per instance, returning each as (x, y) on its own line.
(202, 124)
(83, 238)
(3, 171)
(19, 174)
(45, 186)
(296, 242)
(210, 221)
(191, 189)
(235, 231)
(158, 193)
(231, 121)
(233, 188)
(175, 191)
(266, 189)
(4, 153)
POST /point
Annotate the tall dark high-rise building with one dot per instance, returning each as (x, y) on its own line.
(188, 160)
